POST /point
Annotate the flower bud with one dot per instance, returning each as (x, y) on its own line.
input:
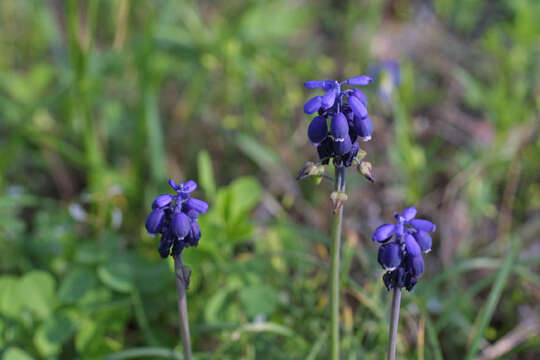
(162, 201)
(422, 225)
(366, 169)
(180, 225)
(383, 232)
(312, 105)
(188, 186)
(329, 99)
(409, 213)
(359, 94)
(314, 84)
(359, 80)
(317, 130)
(198, 205)
(154, 222)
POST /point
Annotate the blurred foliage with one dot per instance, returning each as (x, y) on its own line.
(102, 101)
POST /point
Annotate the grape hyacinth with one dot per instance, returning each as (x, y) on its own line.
(346, 110)
(401, 249)
(175, 218)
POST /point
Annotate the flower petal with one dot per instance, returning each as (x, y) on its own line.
(383, 232)
(317, 130)
(312, 105)
(409, 213)
(359, 80)
(357, 107)
(422, 225)
(314, 84)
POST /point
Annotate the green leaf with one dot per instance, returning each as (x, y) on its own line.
(258, 299)
(50, 336)
(36, 291)
(75, 286)
(9, 301)
(245, 194)
(15, 353)
(117, 274)
(206, 173)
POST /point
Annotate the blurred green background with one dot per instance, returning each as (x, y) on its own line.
(102, 101)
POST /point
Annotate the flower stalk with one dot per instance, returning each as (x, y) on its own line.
(182, 279)
(394, 320)
(334, 268)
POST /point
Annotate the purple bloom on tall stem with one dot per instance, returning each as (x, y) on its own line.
(411, 237)
(173, 217)
(347, 110)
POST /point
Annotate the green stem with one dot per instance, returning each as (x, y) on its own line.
(182, 306)
(394, 320)
(334, 269)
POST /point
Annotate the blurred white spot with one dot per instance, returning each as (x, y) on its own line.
(116, 218)
(77, 212)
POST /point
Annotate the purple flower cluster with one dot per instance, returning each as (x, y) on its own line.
(348, 116)
(402, 255)
(175, 218)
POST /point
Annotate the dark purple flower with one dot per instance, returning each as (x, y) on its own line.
(175, 218)
(401, 250)
(344, 128)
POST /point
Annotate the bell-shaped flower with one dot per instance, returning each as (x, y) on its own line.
(180, 225)
(390, 256)
(198, 205)
(339, 127)
(364, 127)
(424, 240)
(357, 107)
(342, 145)
(317, 130)
(412, 246)
(154, 221)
